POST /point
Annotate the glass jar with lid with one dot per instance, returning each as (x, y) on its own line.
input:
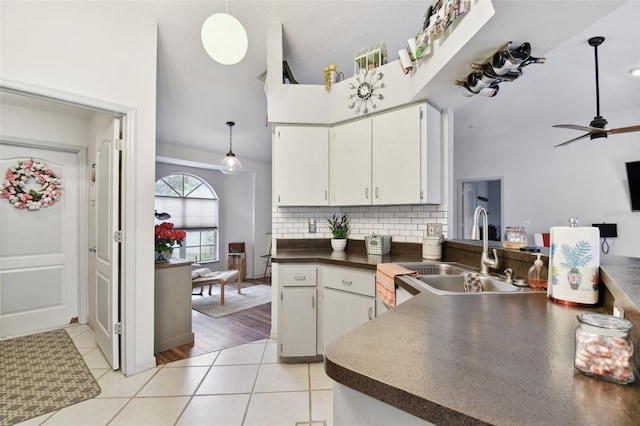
(603, 348)
(514, 237)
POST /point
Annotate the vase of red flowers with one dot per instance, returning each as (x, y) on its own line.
(166, 239)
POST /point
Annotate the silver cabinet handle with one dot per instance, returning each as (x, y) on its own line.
(366, 193)
(300, 278)
(376, 192)
(325, 195)
(370, 313)
(347, 282)
(93, 249)
(313, 302)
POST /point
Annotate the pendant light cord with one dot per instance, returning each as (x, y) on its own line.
(230, 124)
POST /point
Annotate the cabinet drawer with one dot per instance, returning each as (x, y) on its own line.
(298, 276)
(351, 280)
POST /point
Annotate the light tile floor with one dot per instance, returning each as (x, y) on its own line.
(243, 385)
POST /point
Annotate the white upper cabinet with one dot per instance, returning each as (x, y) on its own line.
(301, 166)
(390, 158)
(350, 163)
(395, 159)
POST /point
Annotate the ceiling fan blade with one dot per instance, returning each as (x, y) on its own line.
(625, 129)
(573, 140)
(581, 128)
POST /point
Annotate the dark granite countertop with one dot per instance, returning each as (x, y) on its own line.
(497, 359)
(319, 251)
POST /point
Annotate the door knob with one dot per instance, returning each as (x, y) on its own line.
(93, 249)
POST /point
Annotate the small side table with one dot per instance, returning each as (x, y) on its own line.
(238, 261)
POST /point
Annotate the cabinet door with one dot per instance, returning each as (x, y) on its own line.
(342, 312)
(396, 155)
(297, 334)
(301, 165)
(350, 164)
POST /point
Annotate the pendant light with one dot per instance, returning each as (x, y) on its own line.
(224, 38)
(230, 164)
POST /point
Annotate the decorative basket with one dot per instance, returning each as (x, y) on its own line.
(378, 244)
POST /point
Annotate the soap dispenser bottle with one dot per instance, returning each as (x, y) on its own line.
(537, 276)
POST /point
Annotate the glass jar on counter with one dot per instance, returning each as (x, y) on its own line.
(603, 348)
(514, 237)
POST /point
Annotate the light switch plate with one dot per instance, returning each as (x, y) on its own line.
(434, 229)
(312, 226)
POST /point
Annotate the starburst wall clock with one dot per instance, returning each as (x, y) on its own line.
(366, 91)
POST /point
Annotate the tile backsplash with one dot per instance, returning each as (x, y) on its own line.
(404, 223)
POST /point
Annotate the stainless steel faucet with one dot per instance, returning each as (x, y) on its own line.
(485, 261)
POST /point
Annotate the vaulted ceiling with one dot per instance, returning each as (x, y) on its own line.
(196, 96)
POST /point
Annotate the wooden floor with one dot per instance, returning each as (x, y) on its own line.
(214, 334)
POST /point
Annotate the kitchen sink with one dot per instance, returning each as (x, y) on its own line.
(448, 278)
(439, 268)
(445, 284)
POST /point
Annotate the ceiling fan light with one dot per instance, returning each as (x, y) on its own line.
(224, 38)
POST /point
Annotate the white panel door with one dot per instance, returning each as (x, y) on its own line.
(469, 203)
(107, 250)
(39, 248)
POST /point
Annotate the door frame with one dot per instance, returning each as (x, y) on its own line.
(459, 196)
(127, 198)
(83, 212)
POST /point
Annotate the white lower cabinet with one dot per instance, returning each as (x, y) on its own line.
(298, 305)
(344, 311)
(298, 332)
(307, 325)
(348, 301)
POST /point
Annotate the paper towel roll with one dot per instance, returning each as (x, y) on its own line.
(574, 265)
(405, 61)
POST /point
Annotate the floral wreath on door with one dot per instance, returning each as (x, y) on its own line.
(31, 185)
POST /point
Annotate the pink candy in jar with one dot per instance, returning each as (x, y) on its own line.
(603, 347)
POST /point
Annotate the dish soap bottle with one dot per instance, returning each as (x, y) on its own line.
(537, 275)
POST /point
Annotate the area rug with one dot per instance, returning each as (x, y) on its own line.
(41, 373)
(233, 302)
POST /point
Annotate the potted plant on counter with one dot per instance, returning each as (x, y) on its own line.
(339, 227)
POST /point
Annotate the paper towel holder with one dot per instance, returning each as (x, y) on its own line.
(607, 230)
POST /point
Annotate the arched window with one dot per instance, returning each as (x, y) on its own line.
(193, 206)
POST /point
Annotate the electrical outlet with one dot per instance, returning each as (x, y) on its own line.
(434, 229)
(526, 223)
(312, 226)
(618, 311)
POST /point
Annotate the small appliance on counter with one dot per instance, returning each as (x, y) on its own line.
(574, 265)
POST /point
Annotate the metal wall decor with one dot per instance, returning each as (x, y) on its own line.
(367, 89)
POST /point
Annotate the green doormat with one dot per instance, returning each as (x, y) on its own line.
(41, 373)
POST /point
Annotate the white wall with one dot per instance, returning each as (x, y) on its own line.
(547, 185)
(245, 199)
(93, 54)
(22, 122)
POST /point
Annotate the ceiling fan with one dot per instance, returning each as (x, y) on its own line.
(596, 128)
